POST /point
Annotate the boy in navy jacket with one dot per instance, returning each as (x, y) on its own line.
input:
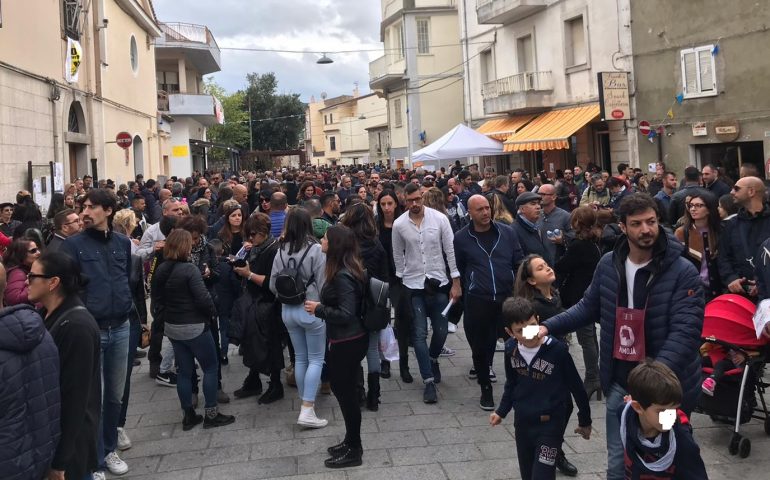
(656, 436)
(539, 375)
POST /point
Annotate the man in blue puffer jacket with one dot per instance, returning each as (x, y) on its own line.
(29, 393)
(105, 257)
(649, 302)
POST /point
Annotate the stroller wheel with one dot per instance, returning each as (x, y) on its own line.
(733, 447)
(744, 447)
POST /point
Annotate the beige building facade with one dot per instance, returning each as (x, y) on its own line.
(420, 74)
(529, 59)
(47, 116)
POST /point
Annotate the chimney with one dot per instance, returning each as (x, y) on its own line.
(355, 90)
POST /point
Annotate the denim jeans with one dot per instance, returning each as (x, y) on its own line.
(425, 306)
(167, 351)
(135, 333)
(114, 358)
(373, 353)
(614, 446)
(204, 350)
(308, 335)
(224, 325)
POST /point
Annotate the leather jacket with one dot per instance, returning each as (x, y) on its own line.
(341, 307)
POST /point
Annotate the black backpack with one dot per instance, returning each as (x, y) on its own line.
(290, 289)
(375, 305)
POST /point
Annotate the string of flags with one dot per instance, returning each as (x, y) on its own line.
(678, 99)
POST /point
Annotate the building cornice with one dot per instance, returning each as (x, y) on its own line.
(386, 22)
(140, 15)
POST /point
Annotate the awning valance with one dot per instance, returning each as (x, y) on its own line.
(502, 128)
(551, 130)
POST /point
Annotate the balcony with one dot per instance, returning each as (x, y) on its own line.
(507, 11)
(385, 71)
(523, 91)
(195, 43)
(203, 108)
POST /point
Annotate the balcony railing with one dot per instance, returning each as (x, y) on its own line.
(521, 82)
(188, 32)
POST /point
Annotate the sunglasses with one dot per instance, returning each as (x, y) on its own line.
(696, 205)
(32, 276)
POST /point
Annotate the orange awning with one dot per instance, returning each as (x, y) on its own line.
(551, 130)
(502, 128)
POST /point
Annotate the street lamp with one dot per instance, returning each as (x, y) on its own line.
(324, 60)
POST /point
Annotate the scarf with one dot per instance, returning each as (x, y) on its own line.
(657, 447)
(197, 251)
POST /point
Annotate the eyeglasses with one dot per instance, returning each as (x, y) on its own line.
(695, 205)
(32, 276)
(70, 223)
(33, 251)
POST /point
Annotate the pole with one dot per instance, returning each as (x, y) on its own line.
(251, 132)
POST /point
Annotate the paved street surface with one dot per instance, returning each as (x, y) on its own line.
(406, 439)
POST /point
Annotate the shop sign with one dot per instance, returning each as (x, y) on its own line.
(727, 130)
(613, 96)
(699, 129)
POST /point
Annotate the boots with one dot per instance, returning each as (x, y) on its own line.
(564, 466)
(273, 394)
(385, 369)
(215, 419)
(291, 381)
(350, 458)
(373, 396)
(190, 419)
(252, 386)
(403, 362)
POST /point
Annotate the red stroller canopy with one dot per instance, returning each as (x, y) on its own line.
(730, 318)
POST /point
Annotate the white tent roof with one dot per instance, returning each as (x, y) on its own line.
(458, 143)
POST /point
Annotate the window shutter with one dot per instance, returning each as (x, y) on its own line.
(705, 67)
(689, 72)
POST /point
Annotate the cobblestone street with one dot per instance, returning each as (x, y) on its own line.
(406, 439)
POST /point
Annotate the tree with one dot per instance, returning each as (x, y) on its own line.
(278, 120)
(235, 131)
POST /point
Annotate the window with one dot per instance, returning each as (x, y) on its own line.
(423, 35)
(168, 81)
(525, 54)
(134, 54)
(575, 42)
(487, 67)
(332, 144)
(400, 41)
(73, 123)
(331, 120)
(698, 72)
(71, 18)
(397, 120)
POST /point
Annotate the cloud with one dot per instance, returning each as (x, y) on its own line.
(316, 25)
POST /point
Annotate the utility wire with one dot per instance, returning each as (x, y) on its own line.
(332, 52)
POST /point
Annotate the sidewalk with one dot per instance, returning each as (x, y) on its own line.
(405, 439)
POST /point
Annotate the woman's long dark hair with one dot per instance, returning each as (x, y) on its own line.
(297, 230)
(522, 288)
(343, 253)
(714, 220)
(360, 219)
(380, 215)
(226, 233)
(301, 193)
(16, 252)
(58, 264)
(56, 205)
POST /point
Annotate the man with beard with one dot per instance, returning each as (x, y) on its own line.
(649, 302)
(330, 204)
(105, 257)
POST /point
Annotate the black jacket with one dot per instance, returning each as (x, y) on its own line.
(375, 259)
(718, 187)
(741, 232)
(179, 294)
(530, 239)
(341, 307)
(78, 339)
(576, 269)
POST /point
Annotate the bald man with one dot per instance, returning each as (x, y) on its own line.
(240, 194)
(739, 245)
(552, 218)
(487, 276)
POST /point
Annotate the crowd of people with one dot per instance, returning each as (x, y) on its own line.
(258, 262)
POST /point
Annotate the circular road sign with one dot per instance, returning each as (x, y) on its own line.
(644, 127)
(123, 139)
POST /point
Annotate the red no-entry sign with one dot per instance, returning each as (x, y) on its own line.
(123, 139)
(644, 127)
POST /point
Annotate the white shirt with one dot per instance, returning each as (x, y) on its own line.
(417, 251)
(631, 269)
(528, 353)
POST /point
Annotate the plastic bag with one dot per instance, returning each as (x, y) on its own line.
(388, 344)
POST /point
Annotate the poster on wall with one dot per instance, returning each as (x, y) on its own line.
(613, 96)
(72, 62)
(58, 177)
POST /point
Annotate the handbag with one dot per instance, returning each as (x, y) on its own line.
(144, 340)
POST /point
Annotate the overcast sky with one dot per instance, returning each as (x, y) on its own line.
(287, 24)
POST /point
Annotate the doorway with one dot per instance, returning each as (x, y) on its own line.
(138, 156)
(77, 156)
(730, 157)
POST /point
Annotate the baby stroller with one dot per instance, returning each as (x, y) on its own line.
(728, 323)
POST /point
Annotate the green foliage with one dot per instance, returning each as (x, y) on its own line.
(235, 131)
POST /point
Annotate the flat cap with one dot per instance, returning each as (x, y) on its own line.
(527, 197)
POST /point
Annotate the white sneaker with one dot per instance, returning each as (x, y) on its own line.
(124, 443)
(115, 465)
(500, 346)
(307, 418)
(98, 476)
(452, 327)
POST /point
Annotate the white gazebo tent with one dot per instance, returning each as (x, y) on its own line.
(457, 144)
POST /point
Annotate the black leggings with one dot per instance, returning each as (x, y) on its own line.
(344, 360)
